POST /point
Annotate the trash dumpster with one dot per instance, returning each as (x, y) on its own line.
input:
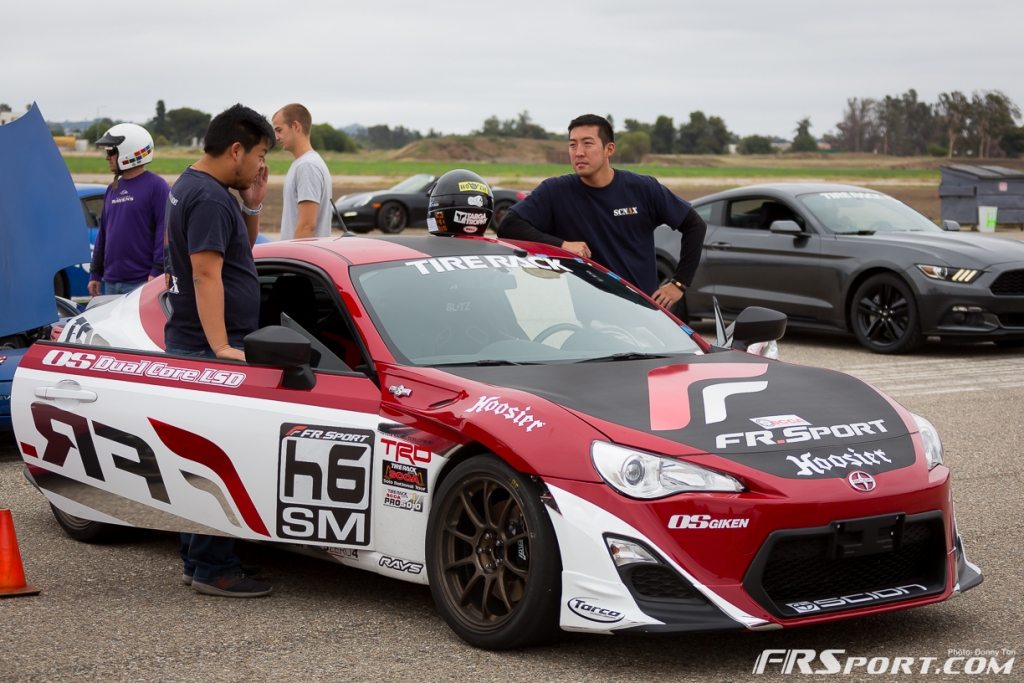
(982, 196)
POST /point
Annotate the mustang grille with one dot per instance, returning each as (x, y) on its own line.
(1009, 283)
(809, 565)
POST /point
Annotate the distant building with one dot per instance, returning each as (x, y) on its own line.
(8, 116)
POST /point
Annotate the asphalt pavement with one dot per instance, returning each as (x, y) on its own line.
(119, 613)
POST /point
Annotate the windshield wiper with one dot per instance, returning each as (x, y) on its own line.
(860, 232)
(490, 362)
(626, 355)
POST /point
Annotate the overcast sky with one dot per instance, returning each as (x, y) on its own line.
(761, 66)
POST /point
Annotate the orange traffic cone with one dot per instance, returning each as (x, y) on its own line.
(12, 575)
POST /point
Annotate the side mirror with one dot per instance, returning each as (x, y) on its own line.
(785, 228)
(283, 348)
(951, 226)
(756, 324)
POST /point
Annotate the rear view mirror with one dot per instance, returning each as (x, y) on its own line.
(785, 228)
(951, 226)
(755, 324)
(283, 348)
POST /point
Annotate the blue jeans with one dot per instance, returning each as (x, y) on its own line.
(120, 287)
(206, 558)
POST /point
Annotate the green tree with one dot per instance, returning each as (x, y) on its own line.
(633, 125)
(4, 107)
(96, 130)
(491, 127)
(158, 125)
(1012, 142)
(858, 131)
(804, 141)
(186, 125)
(993, 114)
(324, 136)
(663, 135)
(631, 147)
(755, 144)
(954, 113)
(703, 135)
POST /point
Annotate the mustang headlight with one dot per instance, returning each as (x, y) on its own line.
(639, 474)
(931, 441)
(961, 275)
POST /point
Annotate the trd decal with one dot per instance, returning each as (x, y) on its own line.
(669, 388)
(405, 451)
(323, 484)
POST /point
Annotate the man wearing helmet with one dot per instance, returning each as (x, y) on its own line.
(460, 203)
(129, 248)
(609, 214)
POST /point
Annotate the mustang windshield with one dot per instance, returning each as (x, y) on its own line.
(850, 212)
(510, 308)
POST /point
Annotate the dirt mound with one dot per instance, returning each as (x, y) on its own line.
(480, 148)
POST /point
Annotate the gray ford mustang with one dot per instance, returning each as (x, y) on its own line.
(849, 259)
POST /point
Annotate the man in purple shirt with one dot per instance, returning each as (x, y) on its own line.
(129, 248)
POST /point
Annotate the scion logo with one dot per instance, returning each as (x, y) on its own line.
(582, 607)
(400, 565)
(707, 522)
(322, 484)
(799, 433)
(861, 481)
(855, 599)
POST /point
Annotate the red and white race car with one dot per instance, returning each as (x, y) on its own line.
(514, 426)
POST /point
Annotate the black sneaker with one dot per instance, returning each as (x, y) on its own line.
(247, 569)
(237, 586)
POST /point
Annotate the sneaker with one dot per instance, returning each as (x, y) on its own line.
(247, 569)
(237, 586)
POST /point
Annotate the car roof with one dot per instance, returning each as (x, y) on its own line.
(362, 250)
(89, 189)
(787, 190)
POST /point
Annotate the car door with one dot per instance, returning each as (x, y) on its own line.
(193, 444)
(749, 265)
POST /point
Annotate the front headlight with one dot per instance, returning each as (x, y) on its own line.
(947, 274)
(639, 474)
(931, 441)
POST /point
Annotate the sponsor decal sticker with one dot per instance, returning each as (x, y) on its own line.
(855, 599)
(82, 360)
(473, 186)
(403, 500)
(958, 661)
(405, 476)
(626, 211)
(707, 522)
(520, 417)
(401, 565)
(446, 264)
(411, 453)
(323, 476)
(800, 433)
(470, 217)
(808, 465)
(586, 608)
(476, 200)
(776, 421)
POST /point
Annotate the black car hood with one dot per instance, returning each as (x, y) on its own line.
(789, 420)
(954, 249)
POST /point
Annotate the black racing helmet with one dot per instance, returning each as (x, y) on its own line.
(461, 203)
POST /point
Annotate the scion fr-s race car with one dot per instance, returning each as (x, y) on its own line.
(514, 426)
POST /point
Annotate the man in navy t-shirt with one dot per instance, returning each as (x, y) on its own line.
(215, 292)
(609, 214)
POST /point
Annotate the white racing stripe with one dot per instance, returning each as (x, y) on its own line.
(941, 376)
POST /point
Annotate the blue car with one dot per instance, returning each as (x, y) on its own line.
(73, 281)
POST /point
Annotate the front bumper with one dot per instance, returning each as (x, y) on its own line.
(991, 307)
(359, 217)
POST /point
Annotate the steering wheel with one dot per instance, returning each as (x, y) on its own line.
(619, 333)
(557, 327)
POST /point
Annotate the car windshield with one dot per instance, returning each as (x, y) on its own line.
(510, 309)
(864, 212)
(417, 183)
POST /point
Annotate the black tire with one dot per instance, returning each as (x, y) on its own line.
(500, 209)
(392, 218)
(83, 529)
(883, 315)
(361, 229)
(492, 557)
(60, 284)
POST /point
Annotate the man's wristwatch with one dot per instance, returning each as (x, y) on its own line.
(252, 212)
(678, 284)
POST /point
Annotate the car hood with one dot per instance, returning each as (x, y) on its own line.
(38, 206)
(789, 420)
(954, 249)
(353, 199)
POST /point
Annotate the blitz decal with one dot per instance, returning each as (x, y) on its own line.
(83, 360)
(323, 484)
(800, 433)
(405, 476)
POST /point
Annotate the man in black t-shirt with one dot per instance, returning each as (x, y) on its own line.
(215, 293)
(609, 214)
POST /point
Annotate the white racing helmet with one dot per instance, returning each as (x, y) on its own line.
(133, 143)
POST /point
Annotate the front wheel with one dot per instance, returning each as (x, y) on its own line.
(392, 218)
(84, 530)
(884, 317)
(492, 557)
(500, 209)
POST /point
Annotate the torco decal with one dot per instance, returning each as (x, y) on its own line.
(800, 433)
(808, 465)
(583, 608)
(473, 186)
(706, 522)
(405, 476)
(400, 565)
(323, 492)
(82, 360)
(403, 500)
(520, 417)
(444, 264)
(855, 599)
(406, 451)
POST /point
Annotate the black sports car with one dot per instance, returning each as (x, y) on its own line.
(405, 204)
(849, 259)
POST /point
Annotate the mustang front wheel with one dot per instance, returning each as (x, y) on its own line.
(492, 558)
(884, 315)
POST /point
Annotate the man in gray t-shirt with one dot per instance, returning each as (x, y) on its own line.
(307, 187)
